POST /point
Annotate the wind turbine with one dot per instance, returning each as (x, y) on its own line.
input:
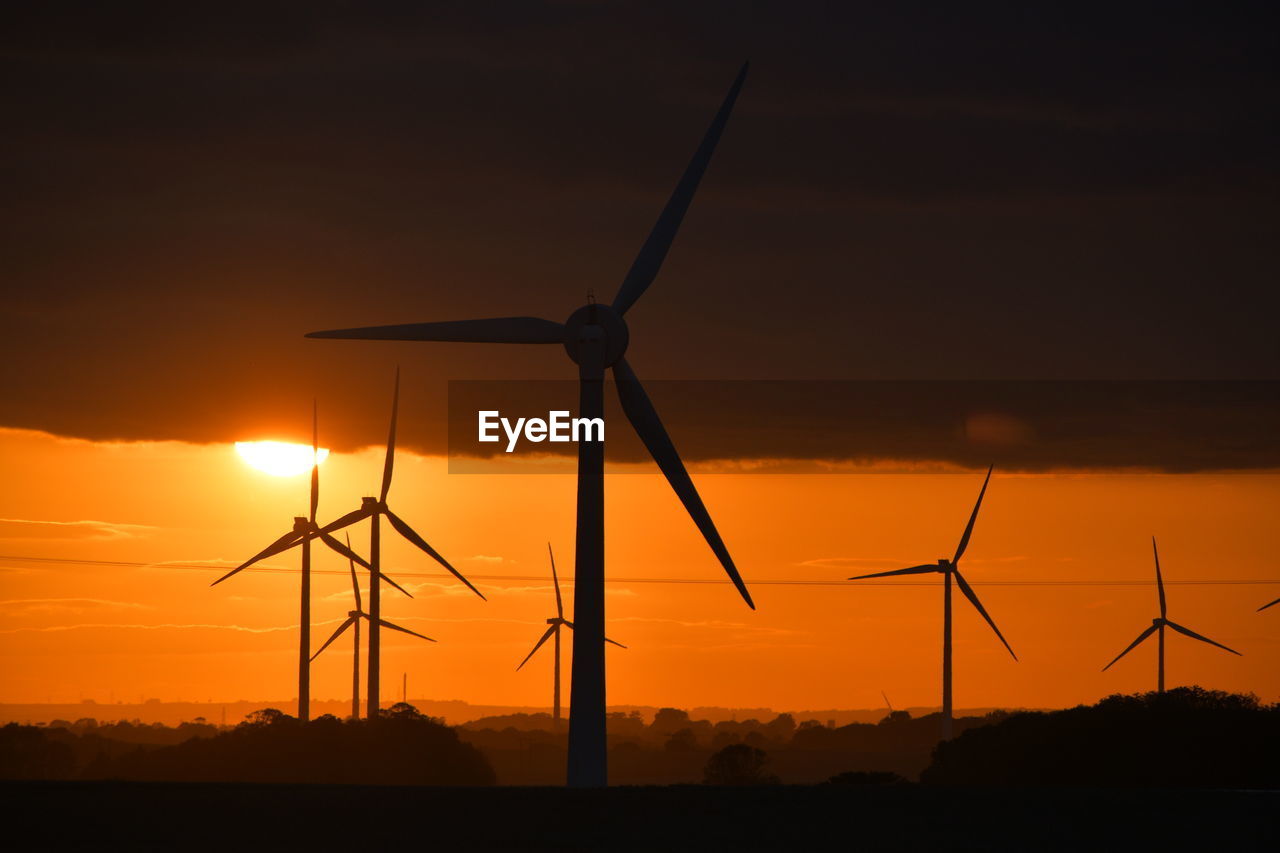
(353, 621)
(595, 338)
(1159, 624)
(951, 569)
(375, 509)
(553, 632)
(304, 530)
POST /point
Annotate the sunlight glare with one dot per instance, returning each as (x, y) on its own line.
(280, 458)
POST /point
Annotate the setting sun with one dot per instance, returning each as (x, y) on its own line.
(279, 458)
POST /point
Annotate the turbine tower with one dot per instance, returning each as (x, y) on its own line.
(1159, 624)
(353, 621)
(595, 338)
(951, 569)
(553, 632)
(304, 530)
(375, 509)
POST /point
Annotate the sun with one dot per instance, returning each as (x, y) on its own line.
(280, 458)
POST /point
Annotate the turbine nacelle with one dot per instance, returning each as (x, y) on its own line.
(301, 524)
(594, 323)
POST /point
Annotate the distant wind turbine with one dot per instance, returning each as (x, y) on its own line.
(353, 621)
(553, 632)
(951, 569)
(1159, 624)
(375, 509)
(595, 338)
(304, 530)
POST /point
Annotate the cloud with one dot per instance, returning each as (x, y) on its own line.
(70, 604)
(168, 626)
(483, 558)
(29, 529)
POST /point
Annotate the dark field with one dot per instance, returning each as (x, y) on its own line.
(168, 816)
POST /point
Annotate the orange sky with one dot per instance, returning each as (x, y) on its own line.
(72, 631)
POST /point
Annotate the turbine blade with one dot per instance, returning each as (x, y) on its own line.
(284, 543)
(968, 530)
(546, 636)
(343, 549)
(409, 533)
(973, 599)
(497, 330)
(913, 570)
(569, 625)
(1193, 635)
(389, 463)
(336, 634)
(315, 462)
(1130, 647)
(355, 584)
(1265, 606)
(643, 417)
(1159, 578)
(383, 577)
(555, 579)
(346, 520)
(644, 269)
(394, 627)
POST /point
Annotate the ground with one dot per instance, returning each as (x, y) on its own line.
(134, 816)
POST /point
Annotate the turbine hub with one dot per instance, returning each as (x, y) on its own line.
(594, 323)
(1157, 621)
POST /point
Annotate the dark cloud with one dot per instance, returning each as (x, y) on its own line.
(1025, 191)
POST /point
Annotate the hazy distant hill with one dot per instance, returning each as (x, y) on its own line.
(454, 711)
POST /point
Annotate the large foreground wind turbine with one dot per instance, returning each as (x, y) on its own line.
(951, 569)
(304, 530)
(555, 623)
(595, 338)
(375, 509)
(353, 621)
(1159, 624)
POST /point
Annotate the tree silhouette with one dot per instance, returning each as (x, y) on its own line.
(1186, 737)
(737, 765)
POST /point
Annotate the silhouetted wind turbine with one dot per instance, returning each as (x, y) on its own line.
(553, 632)
(375, 509)
(304, 530)
(595, 338)
(949, 569)
(353, 621)
(1159, 624)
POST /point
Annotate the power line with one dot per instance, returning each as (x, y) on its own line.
(1062, 582)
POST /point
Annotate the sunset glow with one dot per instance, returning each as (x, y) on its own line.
(280, 458)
